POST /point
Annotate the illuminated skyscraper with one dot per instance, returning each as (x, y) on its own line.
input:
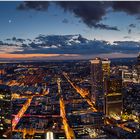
(100, 68)
(5, 112)
(106, 68)
(97, 79)
(113, 96)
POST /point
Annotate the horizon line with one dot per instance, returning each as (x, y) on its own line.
(64, 56)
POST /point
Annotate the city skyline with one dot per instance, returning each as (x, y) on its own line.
(69, 70)
(73, 28)
(70, 99)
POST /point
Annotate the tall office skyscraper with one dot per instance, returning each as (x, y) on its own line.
(97, 76)
(100, 68)
(106, 68)
(113, 96)
(138, 67)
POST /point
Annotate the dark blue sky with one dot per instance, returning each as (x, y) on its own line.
(108, 21)
(30, 23)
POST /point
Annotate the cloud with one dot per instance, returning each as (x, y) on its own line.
(1, 43)
(20, 40)
(127, 37)
(106, 27)
(8, 39)
(40, 57)
(130, 7)
(132, 25)
(34, 5)
(10, 49)
(129, 31)
(91, 13)
(68, 44)
(65, 20)
(138, 18)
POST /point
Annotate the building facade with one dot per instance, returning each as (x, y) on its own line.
(96, 78)
(113, 103)
(106, 68)
(100, 68)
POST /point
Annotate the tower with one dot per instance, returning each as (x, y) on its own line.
(113, 104)
(138, 67)
(100, 69)
(96, 77)
(106, 68)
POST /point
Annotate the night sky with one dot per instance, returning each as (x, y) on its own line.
(108, 21)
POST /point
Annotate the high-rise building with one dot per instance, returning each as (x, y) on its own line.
(113, 104)
(5, 112)
(97, 79)
(106, 68)
(138, 67)
(100, 68)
